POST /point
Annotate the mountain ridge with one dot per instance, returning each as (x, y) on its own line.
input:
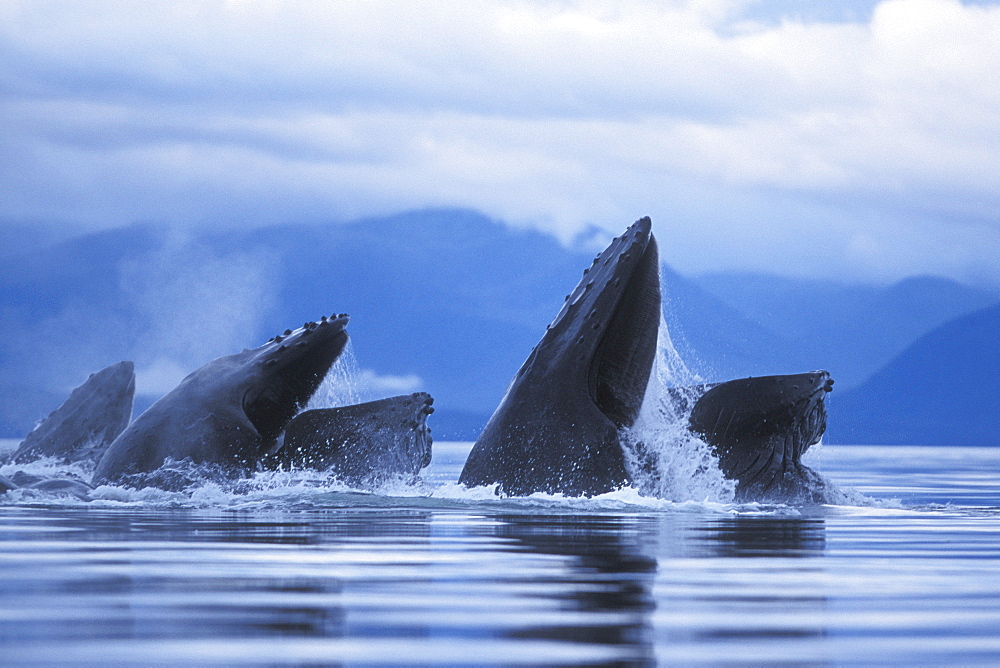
(938, 390)
(447, 301)
(871, 324)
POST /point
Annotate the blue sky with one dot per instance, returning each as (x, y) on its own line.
(855, 140)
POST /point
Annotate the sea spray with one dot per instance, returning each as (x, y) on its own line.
(341, 386)
(663, 457)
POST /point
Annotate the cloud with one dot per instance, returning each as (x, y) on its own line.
(755, 138)
(380, 386)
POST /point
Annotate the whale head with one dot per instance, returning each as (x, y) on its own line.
(231, 411)
(281, 376)
(557, 428)
(603, 340)
(761, 426)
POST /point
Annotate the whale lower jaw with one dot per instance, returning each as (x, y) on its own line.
(557, 429)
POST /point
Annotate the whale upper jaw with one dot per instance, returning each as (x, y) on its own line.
(557, 427)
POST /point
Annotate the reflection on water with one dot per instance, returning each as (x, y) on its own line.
(793, 543)
(608, 580)
(543, 581)
(359, 579)
(615, 565)
(764, 537)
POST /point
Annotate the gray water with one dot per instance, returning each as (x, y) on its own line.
(296, 571)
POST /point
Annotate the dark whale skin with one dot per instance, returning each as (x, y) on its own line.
(362, 445)
(557, 429)
(760, 427)
(88, 421)
(231, 411)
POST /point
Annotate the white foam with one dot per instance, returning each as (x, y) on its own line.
(269, 490)
(50, 467)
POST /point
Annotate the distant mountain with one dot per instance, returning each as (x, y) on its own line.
(446, 301)
(719, 342)
(940, 390)
(850, 330)
(23, 237)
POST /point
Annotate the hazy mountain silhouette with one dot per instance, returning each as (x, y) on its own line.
(854, 329)
(446, 301)
(938, 391)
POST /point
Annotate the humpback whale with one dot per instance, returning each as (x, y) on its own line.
(561, 423)
(558, 426)
(364, 444)
(83, 427)
(232, 411)
(760, 427)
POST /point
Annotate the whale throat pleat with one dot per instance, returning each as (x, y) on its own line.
(620, 370)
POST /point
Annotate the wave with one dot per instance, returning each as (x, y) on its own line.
(308, 489)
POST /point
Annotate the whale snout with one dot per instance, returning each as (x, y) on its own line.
(822, 382)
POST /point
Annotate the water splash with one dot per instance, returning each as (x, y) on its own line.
(341, 386)
(664, 458)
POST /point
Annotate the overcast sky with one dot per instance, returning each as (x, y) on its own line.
(859, 140)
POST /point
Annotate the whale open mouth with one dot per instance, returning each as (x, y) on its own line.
(760, 427)
(292, 367)
(619, 371)
(558, 426)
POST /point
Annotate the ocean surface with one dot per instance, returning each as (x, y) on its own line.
(292, 570)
